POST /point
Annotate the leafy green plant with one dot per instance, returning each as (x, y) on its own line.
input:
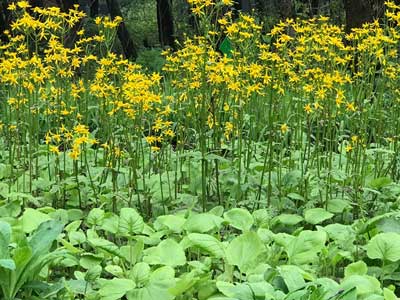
(23, 258)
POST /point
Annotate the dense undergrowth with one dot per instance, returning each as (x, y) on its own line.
(256, 166)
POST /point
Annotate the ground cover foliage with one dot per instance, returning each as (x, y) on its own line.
(268, 169)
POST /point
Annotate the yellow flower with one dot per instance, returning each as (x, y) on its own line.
(54, 149)
(350, 107)
(308, 108)
(210, 121)
(23, 4)
(284, 128)
(12, 7)
(74, 154)
(349, 148)
(227, 2)
(228, 129)
(226, 107)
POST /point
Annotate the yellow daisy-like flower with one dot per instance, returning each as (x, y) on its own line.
(284, 128)
(54, 149)
(227, 2)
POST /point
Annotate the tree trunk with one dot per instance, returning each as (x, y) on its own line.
(165, 23)
(245, 5)
(94, 8)
(4, 19)
(127, 44)
(314, 7)
(358, 12)
(68, 4)
(36, 3)
(3, 25)
(286, 9)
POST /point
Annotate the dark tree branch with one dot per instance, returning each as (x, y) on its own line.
(165, 23)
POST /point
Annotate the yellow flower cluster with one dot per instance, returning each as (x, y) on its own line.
(73, 141)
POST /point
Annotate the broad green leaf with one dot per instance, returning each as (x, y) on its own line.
(110, 223)
(391, 224)
(380, 182)
(5, 235)
(130, 222)
(133, 253)
(116, 288)
(304, 248)
(168, 253)
(239, 218)
(288, 219)
(316, 215)
(339, 232)
(173, 223)
(389, 294)
(226, 47)
(207, 243)
(261, 289)
(244, 250)
(366, 285)
(356, 268)
(115, 270)
(21, 256)
(236, 291)
(217, 210)
(44, 236)
(337, 205)
(7, 264)
(350, 294)
(202, 223)
(90, 260)
(157, 287)
(77, 237)
(140, 273)
(292, 277)
(292, 178)
(261, 217)
(78, 287)
(371, 223)
(93, 273)
(384, 246)
(32, 218)
(95, 217)
(295, 196)
(73, 226)
(105, 245)
(30, 260)
(183, 284)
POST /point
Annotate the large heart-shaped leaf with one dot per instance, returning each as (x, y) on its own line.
(130, 222)
(168, 253)
(244, 250)
(384, 246)
(365, 285)
(304, 248)
(173, 223)
(7, 264)
(5, 235)
(116, 288)
(202, 223)
(160, 281)
(239, 218)
(316, 215)
(32, 218)
(207, 243)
